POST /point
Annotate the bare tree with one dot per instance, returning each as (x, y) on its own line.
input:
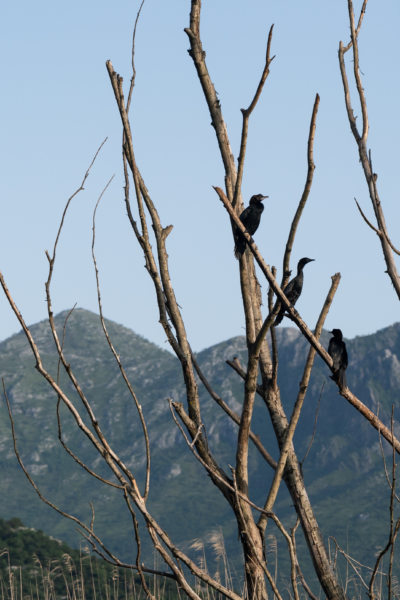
(360, 134)
(259, 375)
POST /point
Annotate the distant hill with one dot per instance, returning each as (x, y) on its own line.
(34, 565)
(343, 469)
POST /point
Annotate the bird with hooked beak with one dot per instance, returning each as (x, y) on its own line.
(294, 288)
(250, 218)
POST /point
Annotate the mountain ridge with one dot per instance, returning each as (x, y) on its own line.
(343, 469)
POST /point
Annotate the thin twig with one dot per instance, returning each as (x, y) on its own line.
(89, 531)
(117, 356)
(246, 112)
(232, 414)
(133, 78)
(103, 450)
(360, 20)
(299, 571)
(106, 452)
(80, 189)
(138, 546)
(361, 141)
(393, 530)
(354, 564)
(306, 191)
(314, 427)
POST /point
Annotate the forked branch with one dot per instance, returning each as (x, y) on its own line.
(118, 359)
(298, 404)
(345, 392)
(246, 112)
(214, 106)
(361, 136)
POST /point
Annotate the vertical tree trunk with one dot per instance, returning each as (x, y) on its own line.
(253, 554)
(255, 579)
(296, 487)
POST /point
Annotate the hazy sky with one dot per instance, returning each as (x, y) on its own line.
(57, 106)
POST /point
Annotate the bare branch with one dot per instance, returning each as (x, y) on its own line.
(393, 530)
(299, 571)
(101, 449)
(360, 20)
(176, 406)
(246, 112)
(354, 564)
(179, 555)
(306, 191)
(121, 564)
(292, 553)
(80, 189)
(274, 344)
(379, 233)
(169, 309)
(242, 449)
(138, 546)
(232, 414)
(133, 78)
(198, 55)
(356, 67)
(314, 428)
(76, 458)
(244, 521)
(298, 405)
(106, 451)
(217, 474)
(161, 279)
(371, 417)
(89, 530)
(378, 211)
(272, 281)
(116, 355)
(361, 140)
(345, 392)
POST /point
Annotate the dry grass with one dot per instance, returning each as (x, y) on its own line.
(67, 580)
(89, 579)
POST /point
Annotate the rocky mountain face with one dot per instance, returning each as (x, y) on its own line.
(343, 469)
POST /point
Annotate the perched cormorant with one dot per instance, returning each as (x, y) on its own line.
(337, 350)
(293, 289)
(250, 218)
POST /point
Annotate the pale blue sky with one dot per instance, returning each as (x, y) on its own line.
(57, 106)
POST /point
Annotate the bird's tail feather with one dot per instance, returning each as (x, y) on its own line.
(340, 378)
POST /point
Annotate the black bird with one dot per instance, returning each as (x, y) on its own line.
(337, 350)
(293, 289)
(250, 218)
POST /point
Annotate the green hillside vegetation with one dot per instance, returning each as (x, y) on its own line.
(343, 471)
(35, 566)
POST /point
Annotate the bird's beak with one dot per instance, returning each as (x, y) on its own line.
(263, 197)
